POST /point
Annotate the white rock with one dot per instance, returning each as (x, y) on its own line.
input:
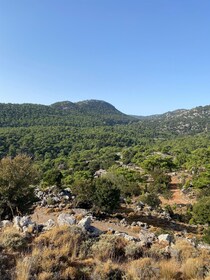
(49, 224)
(166, 238)
(85, 222)
(66, 219)
(6, 223)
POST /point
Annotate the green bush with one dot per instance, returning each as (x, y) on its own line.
(206, 237)
(201, 211)
(150, 199)
(106, 196)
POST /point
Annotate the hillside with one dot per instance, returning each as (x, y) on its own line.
(180, 121)
(87, 192)
(85, 113)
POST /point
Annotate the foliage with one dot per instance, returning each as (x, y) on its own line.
(53, 177)
(158, 162)
(84, 193)
(160, 184)
(106, 196)
(16, 177)
(128, 181)
(151, 199)
(201, 211)
(202, 179)
(206, 236)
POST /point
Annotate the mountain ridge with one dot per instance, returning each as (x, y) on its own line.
(83, 113)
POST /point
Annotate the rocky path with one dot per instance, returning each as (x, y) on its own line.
(42, 215)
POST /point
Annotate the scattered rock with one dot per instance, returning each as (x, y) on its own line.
(6, 223)
(24, 224)
(146, 237)
(85, 223)
(127, 236)
(168, 238)
(66, 219)
(94, 232)
(49, 225)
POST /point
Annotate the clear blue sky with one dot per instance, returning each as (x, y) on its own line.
(143, 56)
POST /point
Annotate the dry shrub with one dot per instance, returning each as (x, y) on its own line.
(193, 268)
(79, 217)
(7, 263)
(184, 250)
(169, 269)
(23, 268)
(108, 271)
(45, 276)
(110, 247)
(157, 252)
(12, 239)
(133, 251)
(144, 269)
(67, 240)
(135, 229)
(70, 273)
(53, 253)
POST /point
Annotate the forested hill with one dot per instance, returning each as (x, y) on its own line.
(81, 114)
(180, 121)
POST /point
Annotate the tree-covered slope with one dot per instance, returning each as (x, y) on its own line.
(181, 121)
(82, 114)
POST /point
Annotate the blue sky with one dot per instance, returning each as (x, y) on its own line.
(143, 56)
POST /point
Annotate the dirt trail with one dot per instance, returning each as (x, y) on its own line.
(178, 197)
(42, 215)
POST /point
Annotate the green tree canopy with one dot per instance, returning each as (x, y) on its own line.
(107, 196)
(201, 211)
(16, 177)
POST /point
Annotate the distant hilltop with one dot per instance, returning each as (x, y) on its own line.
(89, 113)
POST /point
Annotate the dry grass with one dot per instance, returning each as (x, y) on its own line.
(67, 253)
(107, 270)
(169, 269)
(110, 247)
(192, 268)
(12, 240)
(144, 269)
(45, 276)
(185, 250)
(23, 268)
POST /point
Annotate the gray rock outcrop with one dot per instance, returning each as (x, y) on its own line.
(66, 219)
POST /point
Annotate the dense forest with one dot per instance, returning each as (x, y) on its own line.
(77, 139)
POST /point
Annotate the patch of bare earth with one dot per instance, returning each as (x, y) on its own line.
(42, 215)
(178, 197)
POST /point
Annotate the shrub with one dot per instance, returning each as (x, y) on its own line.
(192, 268)
(184, 250)
(106, 196)
(201, 211)
(133, 251)
(110, 247)
(11, 239)
(206, 237)
(144, 269)
(16, 177)
(151, 199)
(169, 269)
(108, 271)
